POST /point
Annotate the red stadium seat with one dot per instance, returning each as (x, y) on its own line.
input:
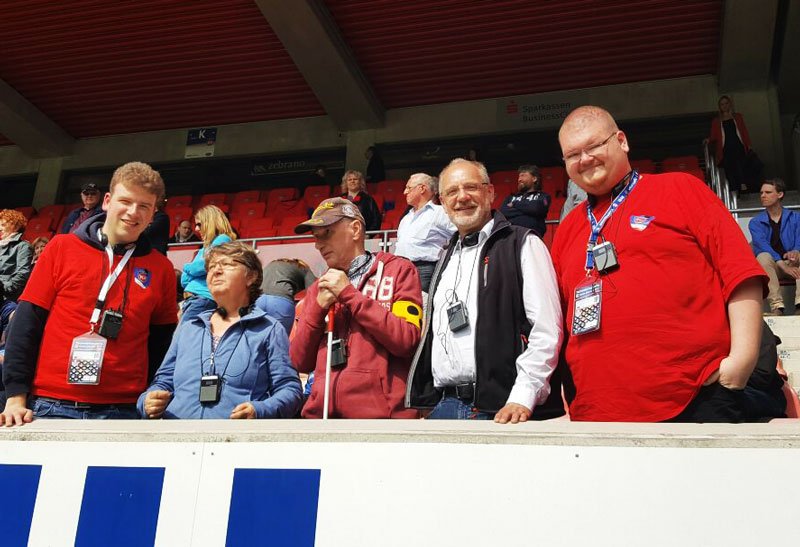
(501, 191)
(549, 235)
(379, 201)
(287, 224)
(53, 211)
(644, 166)
(504, 177)
(680, 163)
(248, 196)
(29, 212)
(278, 196)
(554, 212)
(372, 188)
(179, 201)
(395, 186)
(257, 227)
(41, 223)
(554, 181)
(697, 173)
(212, 199)
(248, 209)
(392, 218)
(30, 235)
(177, 215)
(313, 195)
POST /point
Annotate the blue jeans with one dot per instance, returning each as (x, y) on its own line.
(194, 306)
(279, 308)
(51, 409)
(451, 408)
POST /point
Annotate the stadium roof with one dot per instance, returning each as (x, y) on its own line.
(93, 67)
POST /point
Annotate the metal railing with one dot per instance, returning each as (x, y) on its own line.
(719, 184)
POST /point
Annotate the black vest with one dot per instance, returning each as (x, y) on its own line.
(501, 328)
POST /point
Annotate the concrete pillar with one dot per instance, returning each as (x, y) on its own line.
(761, 114)
(357, 144)
(48, 182)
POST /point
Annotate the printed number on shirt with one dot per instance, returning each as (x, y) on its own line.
(384, 292)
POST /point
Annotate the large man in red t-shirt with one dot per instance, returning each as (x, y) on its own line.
(679, 313)
(65, 300)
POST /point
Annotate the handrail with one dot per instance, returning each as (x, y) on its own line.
(718, 184)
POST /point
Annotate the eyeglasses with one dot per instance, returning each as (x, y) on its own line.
(225, 266)
(592, 150)
(411, 187)
(470, 188)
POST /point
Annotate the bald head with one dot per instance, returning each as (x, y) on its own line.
(588, 116)
(595, 150)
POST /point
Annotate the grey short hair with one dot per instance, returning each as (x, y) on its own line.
(484, 174)
(426, 179)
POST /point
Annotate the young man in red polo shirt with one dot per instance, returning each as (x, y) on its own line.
(663, 314)
(97, 314)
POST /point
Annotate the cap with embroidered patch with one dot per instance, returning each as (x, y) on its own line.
(330, 211)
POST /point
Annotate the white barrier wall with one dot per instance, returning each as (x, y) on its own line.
(377, 483)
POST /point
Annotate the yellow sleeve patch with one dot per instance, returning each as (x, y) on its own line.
(408, 311)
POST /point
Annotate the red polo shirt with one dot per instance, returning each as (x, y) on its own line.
(664, 326)
(66, 281)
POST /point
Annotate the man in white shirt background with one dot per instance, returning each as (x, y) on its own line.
(493, 335)
(424, 229)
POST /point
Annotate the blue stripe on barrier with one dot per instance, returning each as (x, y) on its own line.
(120, 506)
(273, 507)
(20, 483)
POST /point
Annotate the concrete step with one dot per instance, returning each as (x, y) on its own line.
(792, 368)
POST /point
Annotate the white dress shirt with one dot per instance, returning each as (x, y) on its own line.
(453, 353)
(421, 234)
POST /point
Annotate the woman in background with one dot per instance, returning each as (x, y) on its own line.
(15, 254)
(214, 229)
(38, 245)
(354, 188)
(731, 140)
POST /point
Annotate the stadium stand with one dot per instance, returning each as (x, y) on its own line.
(313, 195)
(178, 214)
(29, 212)
(246, 196)
(644, 166)
(392, 193)
(248, 209)
(220, 200)
(180, 201)
(279, 196)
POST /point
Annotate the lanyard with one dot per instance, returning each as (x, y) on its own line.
(109, 282)
(597, 226)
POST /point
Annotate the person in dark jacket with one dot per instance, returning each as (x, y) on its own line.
(15, 254)
(376, 171)
(491, 342)
(90, 196)
(185, 233)
(528, 207)
(158, 230)
(354, 188)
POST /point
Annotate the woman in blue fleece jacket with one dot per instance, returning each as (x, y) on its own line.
(241, 354)
(215, 229)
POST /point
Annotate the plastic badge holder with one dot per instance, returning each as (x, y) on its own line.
(86, 359)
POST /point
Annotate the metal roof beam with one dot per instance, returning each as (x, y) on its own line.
(26, 126)
(308, 32)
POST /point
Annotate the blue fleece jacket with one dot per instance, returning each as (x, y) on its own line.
(193, 278)
(761, 232)
(252, 359)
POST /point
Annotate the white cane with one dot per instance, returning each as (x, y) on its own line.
(329, 319)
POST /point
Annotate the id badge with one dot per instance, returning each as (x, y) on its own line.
(586, 312)
(86, 359)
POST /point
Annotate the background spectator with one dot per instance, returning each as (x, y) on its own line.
(158, 230)
(528, 207)
(184, 233)
(354, 188)
(249, 369)
(15, 254)
(38, 246)
(215, 229)
(376, 172)
(575, 195)
(90, 196)
(731, 140)
(776, 242)
(283, 279)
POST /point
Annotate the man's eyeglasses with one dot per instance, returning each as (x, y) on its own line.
(470, 188)
(592, 150)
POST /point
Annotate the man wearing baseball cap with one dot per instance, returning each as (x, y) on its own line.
(90, 195)
(375, 300)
